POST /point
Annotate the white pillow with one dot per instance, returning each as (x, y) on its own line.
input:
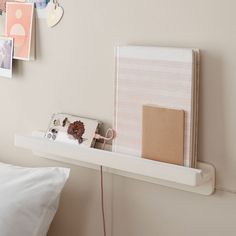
(29, 199)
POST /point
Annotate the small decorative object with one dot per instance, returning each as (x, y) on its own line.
(76, 129)
(19, 26)
(54, 13)
(6, 53)
(57, 122)
(52, 134)
(72, 129)
(65, 121)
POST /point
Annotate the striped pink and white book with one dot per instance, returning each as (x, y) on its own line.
(165, 77)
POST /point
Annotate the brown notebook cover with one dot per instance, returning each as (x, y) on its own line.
(163, 134)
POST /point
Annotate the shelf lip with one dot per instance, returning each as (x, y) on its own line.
(148, 168)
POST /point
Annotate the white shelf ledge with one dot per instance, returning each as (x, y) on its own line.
(201, 180)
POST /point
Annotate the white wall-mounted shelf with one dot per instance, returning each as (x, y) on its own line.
(201, 180)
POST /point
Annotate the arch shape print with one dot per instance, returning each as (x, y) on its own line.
(19, 20)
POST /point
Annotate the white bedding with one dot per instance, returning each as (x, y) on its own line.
(29, 199)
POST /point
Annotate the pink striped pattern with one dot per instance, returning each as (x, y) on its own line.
(139, 81)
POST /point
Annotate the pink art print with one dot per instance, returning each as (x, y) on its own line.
(19, 20)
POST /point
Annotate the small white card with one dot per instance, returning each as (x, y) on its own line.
(72, 129)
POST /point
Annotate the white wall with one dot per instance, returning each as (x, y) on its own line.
(74, 73)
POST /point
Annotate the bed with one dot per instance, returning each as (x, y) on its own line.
(29, 198)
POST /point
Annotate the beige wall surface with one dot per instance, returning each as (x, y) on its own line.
(74, 72)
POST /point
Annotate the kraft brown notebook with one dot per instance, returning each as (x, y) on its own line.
(163, 134)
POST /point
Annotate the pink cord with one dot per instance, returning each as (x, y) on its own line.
(110, 135)
(106, 138)
(102, 203)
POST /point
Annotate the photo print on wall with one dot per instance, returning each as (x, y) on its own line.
(6, 53)
(19, 26)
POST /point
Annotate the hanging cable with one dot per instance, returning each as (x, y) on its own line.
(102, 203)
(110, 134)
